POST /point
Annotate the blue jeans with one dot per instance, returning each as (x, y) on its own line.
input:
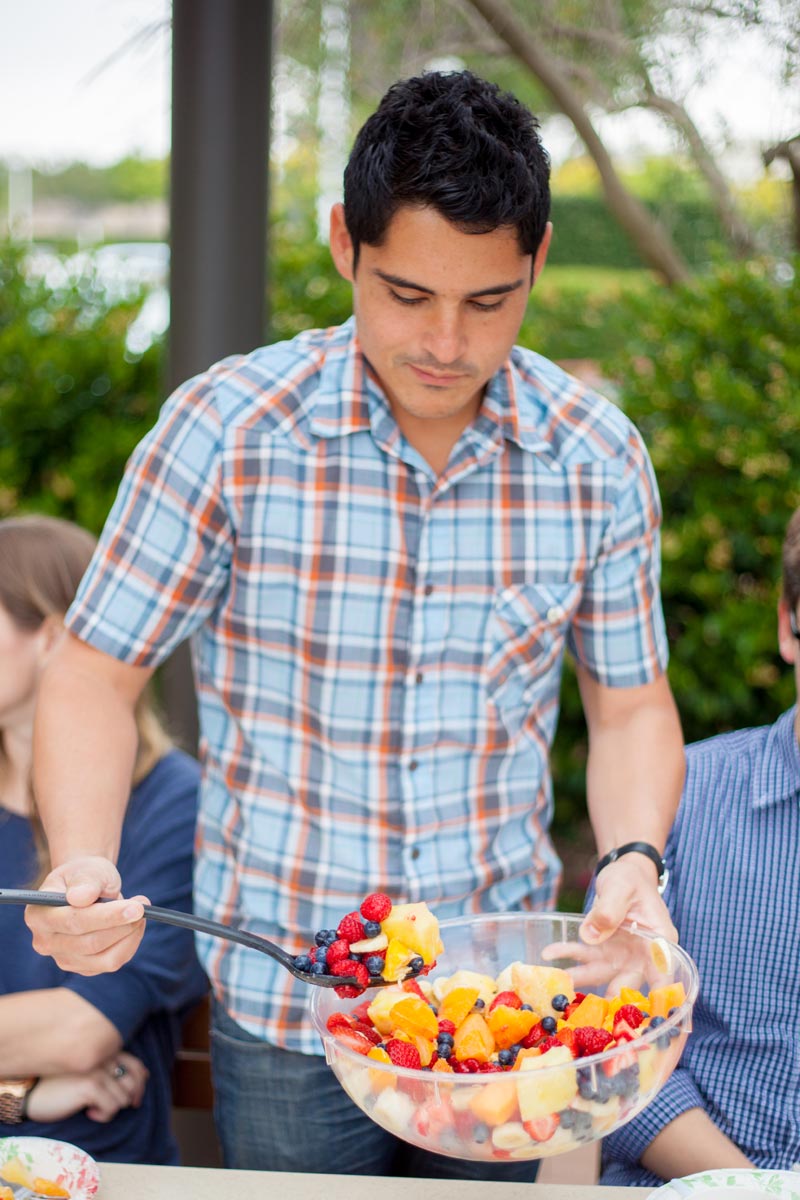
(276, 1110)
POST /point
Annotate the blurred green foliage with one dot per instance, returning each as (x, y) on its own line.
(73, 403)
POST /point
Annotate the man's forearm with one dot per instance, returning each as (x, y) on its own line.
(52, 1031)
(691, 1143)
(635, 769)
(85, 743)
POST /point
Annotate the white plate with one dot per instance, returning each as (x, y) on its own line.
(60, 1162)
(738, 1184)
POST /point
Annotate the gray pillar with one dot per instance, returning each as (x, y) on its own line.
(221, 75)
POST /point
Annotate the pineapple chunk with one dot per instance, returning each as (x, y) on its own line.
(487, 988)
(537, 986)
(416, 927)
(541, 1094)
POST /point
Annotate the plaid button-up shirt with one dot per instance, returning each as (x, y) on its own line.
(378, 651)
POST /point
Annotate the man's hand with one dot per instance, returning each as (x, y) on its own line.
(88, 938)
(116, 1084)
(627, 889)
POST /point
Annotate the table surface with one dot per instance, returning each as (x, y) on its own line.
(133, 1182)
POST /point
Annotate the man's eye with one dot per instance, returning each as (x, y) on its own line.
(406, 299)
(483, 307)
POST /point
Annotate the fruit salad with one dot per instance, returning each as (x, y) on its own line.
(514, 1065)
(380, 940)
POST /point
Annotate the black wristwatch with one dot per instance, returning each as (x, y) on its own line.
(638, 848)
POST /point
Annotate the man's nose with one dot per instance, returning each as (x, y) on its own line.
(445, 338)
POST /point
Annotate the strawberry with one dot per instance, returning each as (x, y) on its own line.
(369, 1031)
(351, 928)
(533, 1036)
(567, 1038)
(361, 1012)
(589, 1040)
(541, 1129)
(376, 907)
(631, 1014)
(337, 951)
(510, 999)
(353, 1040)
(426, 970)
(348, 966)
(403, 1054)
(411, 985)
(338, 1020)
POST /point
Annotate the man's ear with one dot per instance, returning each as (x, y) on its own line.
(341, 244)
(787, 642)
(540, 258)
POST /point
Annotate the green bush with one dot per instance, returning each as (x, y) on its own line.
(73, 402)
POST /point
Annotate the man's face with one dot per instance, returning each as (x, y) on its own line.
(437, 310)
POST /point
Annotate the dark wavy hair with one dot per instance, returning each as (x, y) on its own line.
(456, 143)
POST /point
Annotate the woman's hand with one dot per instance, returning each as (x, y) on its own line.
(116, 1084)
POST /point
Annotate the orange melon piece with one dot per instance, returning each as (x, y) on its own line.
(590, 1011)
(48, 1187)
(495, 1103)
(442, 1064)
(509, 1025)
(662, 999)
(473, 1039)
(631, 996)
(414, 1016)
(425, 1050)
(458, 1004)
(533, 1052)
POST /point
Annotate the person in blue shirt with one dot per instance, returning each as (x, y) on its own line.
(86, 1059)
(734, 894)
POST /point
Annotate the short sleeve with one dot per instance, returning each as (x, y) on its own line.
(164, 553)
(678, 1095)
(156, 861)
(618, 631)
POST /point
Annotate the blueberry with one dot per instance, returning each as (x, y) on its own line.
(526, 1008)
(479, 1003)
(374, 964)
(549, 1024)
(480, 1132)
(445, 1037)
(302, 962)
(559, 1002)
(656, 1021)
(515, 1049)
(330, 936)
(322, 954)
(506, 1058)
(320, 937)
(567, 1118)
(416, 964)
(372, 928)
(317, 968)
(586, 1090)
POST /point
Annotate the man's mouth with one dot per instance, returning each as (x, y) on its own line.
(436, 378)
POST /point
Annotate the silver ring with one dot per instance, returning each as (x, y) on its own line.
(118, 1071)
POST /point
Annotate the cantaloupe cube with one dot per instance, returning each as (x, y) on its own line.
(509, 1025)
(590, 1011)
(473, 1039)
(381, 1079)
(662, 999)
(457, 1005)
(495, 1103)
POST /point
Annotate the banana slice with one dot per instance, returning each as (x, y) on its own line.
(661, 955)
(511, 1136)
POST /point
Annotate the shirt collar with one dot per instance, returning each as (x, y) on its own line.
(349, 400)
(777, 775)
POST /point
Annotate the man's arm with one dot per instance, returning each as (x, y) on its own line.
(691, 1143)
(634, 778)
(85, 743)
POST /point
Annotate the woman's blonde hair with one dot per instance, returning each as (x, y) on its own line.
(42, 561)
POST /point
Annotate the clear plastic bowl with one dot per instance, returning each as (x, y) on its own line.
(446, 1113)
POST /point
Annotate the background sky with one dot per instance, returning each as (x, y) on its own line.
(90, 80)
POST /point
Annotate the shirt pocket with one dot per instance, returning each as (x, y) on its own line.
(528, 628)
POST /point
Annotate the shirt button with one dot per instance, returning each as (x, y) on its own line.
(418, 677)
(415, 851)
(428, 589)
(554, 613)
(412, 766)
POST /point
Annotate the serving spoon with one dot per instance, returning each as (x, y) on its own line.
(171, 916)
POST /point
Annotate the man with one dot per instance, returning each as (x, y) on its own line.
(383, 537)
(734, 892)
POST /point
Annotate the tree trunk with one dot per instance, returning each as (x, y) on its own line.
(738, 231)
(647, 234)
(790, 150)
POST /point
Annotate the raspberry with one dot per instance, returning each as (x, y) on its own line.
(548, 1044)
(510, 999)
(376, 907)
(458, 1066)
(348, 966)
(337, 951)
(351, 928)
(589, 1040)
(631, 1014)
(446, 1026)
(471, 1064)
(403, 1054)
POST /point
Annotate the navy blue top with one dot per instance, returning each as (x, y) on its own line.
(734, 894)
(145, 999)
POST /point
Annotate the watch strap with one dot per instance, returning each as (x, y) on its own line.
(13, 1099)
(638, 848)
